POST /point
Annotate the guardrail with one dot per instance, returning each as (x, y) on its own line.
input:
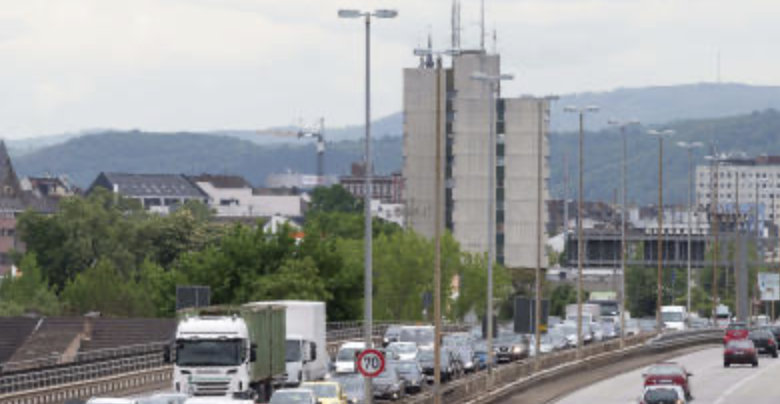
(482, 388)
(82, 357)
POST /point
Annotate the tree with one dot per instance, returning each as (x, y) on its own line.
(29, 293)
(560, 297)
(473, 285)
(103, 288)
(334, 199)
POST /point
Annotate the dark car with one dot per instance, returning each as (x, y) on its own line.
(669, 373)
(412, 373)
(389, 385)
(735, 331)
(661, 395)
(510, 348)
(467, 357)
(425, 357)
(775, 330)
(764, 342)
(740, 351)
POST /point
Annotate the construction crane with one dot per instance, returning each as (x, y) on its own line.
(318, 133)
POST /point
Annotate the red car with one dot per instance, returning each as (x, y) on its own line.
(669, 373)
(736, 331)
(740, 351)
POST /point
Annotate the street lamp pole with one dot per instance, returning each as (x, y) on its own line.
(368, 236)
(491, 82)
(659, 298)
(580, 215)
(623, 229)
(689, 148)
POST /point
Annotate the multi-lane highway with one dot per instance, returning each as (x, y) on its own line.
(712, 383)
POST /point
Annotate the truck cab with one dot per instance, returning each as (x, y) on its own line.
(213, 356)
(674, 317)
(298, 352)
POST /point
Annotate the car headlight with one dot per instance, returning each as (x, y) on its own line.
(517, 349)
(469, 364)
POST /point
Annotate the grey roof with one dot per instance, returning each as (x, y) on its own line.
(164, 185)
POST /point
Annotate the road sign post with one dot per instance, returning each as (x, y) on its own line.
(370, 363)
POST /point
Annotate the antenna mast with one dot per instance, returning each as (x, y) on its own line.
(482, 27)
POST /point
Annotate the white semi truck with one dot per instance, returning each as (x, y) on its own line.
(233, 352)
(305, 343)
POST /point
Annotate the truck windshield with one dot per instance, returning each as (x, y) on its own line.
(292, 351)
(209, 352)
(672, 316)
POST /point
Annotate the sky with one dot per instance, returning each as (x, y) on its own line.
(170, 65)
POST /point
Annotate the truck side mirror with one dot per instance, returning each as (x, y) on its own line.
(313, 349)
(167, 354)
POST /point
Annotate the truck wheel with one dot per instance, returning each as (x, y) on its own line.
(755, 364)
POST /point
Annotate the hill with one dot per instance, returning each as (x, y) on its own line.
(83, 158)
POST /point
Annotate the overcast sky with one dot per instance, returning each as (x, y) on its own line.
(71, 65)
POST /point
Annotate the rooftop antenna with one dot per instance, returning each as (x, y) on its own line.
(482, 27)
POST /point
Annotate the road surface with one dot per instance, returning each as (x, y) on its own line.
(711, 383)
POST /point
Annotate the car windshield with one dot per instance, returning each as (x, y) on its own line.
(420, 336)
(760, 335)
(291, 397)
(388, 374)
(346, 354)
(737, 327)
(209, 352)
(403, 348)
(672, 316)
(406, 367)
(292, 351)
(321, 390)
(661, 395)
(424, 356)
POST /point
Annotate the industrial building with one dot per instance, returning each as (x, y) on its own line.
(519, 125)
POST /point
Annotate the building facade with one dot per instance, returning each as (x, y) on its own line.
(387, 189)
(519, 123)
(159, 193)
(753, 184)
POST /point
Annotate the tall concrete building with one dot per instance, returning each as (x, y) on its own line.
(755, 182)
(465, 119)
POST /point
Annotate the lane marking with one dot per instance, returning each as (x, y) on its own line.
(743, 382)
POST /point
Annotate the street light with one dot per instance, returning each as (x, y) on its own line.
(623, 244)
(368, 278)
(580, 214)
(659, 301)
(689, 147)
(437, 222)
(491, 82)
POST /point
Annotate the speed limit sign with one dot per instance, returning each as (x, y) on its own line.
(371, 363)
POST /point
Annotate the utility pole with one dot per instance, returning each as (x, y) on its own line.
(659, 298)
(437, 235)
(689, 148)
(623, 225)
(580, 217)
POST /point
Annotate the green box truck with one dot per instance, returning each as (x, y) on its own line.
(227, 351)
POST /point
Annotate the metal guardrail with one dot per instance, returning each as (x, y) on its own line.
(484, 388)
(79, 372)
(81, 357)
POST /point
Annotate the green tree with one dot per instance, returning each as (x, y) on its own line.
(102, 287)
(473, 285)
(334, 199)
(560, 297)
(29, 293)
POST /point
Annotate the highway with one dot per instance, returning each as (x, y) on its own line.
(711, 382)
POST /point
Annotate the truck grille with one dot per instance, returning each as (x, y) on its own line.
(211, 388)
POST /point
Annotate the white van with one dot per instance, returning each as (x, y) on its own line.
(347, 355)
(674, 317)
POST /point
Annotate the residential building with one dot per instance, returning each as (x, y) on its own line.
(519, 124)
(54, 187)
(159, 193)
(14, 201)
(751, 183)
(384, 188)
